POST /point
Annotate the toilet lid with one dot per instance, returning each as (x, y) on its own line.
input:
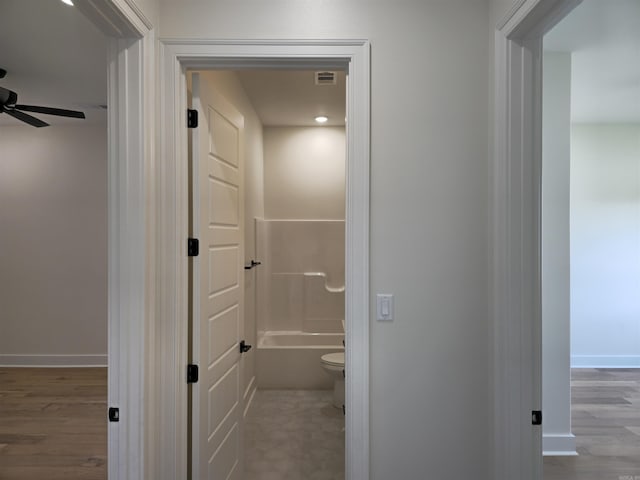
(335, 359)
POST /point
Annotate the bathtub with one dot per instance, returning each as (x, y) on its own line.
(291, 360)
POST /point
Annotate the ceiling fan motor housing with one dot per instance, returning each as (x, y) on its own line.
(7, 97)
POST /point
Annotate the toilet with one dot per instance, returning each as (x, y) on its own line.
(333, 364)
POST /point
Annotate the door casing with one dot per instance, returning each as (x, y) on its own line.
(516, 235)
(172, 214)
(130, 67)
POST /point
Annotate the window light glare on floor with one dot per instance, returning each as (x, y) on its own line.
(68, 2)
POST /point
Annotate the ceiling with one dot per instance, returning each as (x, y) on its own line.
(55, 57)
(291, 97)
(604, 38)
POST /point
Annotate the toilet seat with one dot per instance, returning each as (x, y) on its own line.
(333, 359)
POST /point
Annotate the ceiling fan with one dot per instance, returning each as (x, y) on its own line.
(9, 105)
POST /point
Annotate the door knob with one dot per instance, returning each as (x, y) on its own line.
(244, 347)
(252, 265)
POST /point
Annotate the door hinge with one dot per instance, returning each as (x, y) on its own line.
(536, 417)
(114, 414)
(192, 373)
(192, 118)
(193, 247)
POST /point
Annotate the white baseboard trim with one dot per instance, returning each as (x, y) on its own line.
(605, 361)
(53, 360)
(563, 445)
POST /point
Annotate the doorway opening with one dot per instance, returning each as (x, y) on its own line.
(268, 198)
(351, 56)
(518, 244)
(53, 245)
(590, 252)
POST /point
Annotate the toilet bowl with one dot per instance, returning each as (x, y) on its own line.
(333, 364)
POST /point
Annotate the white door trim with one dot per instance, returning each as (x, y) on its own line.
(126, 276)
(171, 318)
(130, 70)
(516, 258)
(131, 246)
(116, 18)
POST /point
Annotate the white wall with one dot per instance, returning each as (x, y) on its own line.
(499, 9)
(53, 245)
(556, 372)
(304, 173)
(605, 245)
(149, 8)
(228, 85)
(430, 60)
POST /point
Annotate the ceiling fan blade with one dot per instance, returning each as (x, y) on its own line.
(33, 121)
(60, 112)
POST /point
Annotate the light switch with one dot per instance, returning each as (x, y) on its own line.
(384, 304)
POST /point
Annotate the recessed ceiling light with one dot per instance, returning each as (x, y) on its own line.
(321, 119)
(68, 2)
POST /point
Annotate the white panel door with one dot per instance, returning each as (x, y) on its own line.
(218, 287)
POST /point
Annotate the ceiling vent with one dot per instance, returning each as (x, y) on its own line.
(325, 78)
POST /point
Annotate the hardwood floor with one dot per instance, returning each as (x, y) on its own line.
(605, 416)
(53, 423)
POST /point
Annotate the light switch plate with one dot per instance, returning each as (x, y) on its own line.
(384, 307)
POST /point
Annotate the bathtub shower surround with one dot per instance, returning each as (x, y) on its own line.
(301, 284)
(300, 301)
(292, 360)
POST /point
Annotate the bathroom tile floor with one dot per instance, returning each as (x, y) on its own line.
(294, 435)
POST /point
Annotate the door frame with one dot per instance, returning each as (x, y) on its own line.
(175, 57)
(516, 230)
(130, 120)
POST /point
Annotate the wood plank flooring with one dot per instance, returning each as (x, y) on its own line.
(605, 416)
(53, 423)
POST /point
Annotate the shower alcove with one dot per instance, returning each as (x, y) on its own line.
(300, 301)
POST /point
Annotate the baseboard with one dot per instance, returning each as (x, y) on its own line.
(605, 361)
(563, 445)
(53, 360)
